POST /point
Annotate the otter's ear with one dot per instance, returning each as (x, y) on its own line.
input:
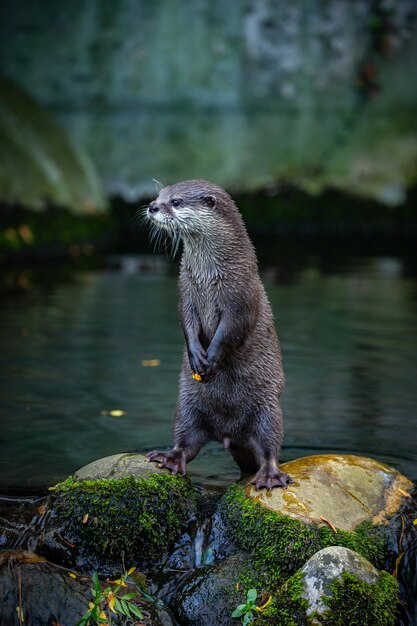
(210, 201)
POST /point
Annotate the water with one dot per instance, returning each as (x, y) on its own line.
(76, 347)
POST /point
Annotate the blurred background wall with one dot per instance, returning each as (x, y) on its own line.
(254, 93)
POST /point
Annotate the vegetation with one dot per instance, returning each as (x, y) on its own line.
(140, 518)
(249, 608)
(280, 545)
(355, 602)
(110, 600)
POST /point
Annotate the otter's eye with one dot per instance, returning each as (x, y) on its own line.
(175, 202)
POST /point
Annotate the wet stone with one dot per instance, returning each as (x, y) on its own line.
(327, 565)
(119, 466)
(341, 490)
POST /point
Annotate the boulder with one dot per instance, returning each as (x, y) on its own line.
(208, 595)
(122, 507)
(338, 490)
(119, 466)
(339, 580)
(46, 594)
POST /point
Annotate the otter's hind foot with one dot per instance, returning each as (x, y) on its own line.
(269, 477)
(174, 460)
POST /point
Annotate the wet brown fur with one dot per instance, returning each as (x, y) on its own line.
(230, 337)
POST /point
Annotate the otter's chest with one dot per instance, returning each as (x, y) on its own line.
(208, 302)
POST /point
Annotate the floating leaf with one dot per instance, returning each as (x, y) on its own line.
(117, 413)
(415, 522)
(85, 518)
(72, 575)
(150, 362)
(132, 569)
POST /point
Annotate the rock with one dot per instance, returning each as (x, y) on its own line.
(119, 466)
(48, 595)
(122, 505)
(327, 565)
(207, 595)
(338, 490)
(371, 596)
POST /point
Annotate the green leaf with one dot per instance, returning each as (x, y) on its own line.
(252, 595)
(118, 605)
(125, 606)
(248, 619)
(136, 611)
(128, 596)
(96, 582)
(241, 609)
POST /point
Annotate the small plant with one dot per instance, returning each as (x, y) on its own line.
(247, 610)
(109, 601)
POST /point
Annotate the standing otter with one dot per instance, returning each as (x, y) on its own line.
(231, 377)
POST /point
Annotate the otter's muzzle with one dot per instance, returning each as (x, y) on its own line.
(153, 208)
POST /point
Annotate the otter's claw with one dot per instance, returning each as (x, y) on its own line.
(174, 460)
(270, 478)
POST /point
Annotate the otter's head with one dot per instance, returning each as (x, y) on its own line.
(192, 208)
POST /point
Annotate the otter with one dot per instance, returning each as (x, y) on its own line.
(231, 377)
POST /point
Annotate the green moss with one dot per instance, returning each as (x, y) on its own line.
(287, 607)
(356, 603)
(280, 545)
(141, 518)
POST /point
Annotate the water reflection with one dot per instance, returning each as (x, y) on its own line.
(76, 383)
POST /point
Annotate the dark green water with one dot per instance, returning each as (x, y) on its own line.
(72, 348)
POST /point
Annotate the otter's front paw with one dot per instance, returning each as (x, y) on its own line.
(198, 359)
(215, 356)
(174, 460)
(269, 478)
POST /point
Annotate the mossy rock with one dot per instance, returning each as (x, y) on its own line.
(118, 466)
(341, 587)
(282, 529)
(122, 507)
(338, 490)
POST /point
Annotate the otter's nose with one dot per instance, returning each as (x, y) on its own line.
(153, 207)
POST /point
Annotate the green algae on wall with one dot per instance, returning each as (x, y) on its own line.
(39, 164)
(312, 94)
